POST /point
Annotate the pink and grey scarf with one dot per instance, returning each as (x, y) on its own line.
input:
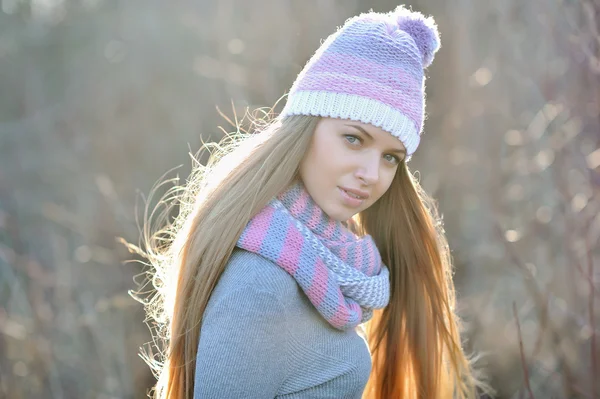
(342, 274)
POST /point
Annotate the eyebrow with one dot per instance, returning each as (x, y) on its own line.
(398, 151)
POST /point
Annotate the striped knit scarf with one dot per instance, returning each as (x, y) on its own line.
(341, 274)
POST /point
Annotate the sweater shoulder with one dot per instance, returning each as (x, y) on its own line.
(251, 272)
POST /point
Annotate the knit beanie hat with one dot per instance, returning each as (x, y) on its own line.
(371, 70)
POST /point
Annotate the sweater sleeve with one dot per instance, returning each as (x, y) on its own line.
(242, 347)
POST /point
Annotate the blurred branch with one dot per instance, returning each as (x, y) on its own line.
(521, 351)
(591, 300)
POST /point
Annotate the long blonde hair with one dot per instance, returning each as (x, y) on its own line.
(414, 342)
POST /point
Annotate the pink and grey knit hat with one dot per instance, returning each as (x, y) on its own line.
(371, 70)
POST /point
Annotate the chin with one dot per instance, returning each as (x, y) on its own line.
(340, 215)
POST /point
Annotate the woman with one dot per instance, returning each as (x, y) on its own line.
(290, 241)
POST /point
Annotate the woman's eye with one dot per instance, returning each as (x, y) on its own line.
(393, 159)
(352, 139)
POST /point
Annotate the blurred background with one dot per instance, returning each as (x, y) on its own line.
(100, 98)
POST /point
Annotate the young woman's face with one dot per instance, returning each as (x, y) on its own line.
(349, 159)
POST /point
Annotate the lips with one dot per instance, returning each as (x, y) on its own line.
(359, 194)
(353, 195)
(350, 200)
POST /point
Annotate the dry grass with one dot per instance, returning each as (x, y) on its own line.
(98, 101)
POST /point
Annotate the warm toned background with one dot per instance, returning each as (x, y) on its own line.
(98, 99)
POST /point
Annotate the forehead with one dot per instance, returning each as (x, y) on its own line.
(378, 134)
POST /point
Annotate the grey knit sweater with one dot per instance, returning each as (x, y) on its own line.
(262, 338)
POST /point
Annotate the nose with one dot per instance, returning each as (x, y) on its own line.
(368, 170)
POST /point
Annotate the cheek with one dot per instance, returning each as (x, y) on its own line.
(387, 177)
(311, 170)
(323, 158)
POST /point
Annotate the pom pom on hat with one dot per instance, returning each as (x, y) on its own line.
(422, 29)
(371, 70)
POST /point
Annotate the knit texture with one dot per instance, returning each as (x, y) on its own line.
(262, 338)
(341, 274)
(371, 70)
